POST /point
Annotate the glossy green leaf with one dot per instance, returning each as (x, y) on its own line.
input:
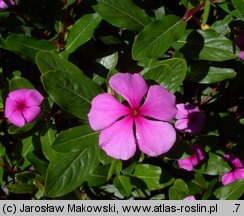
(152, 176)
(98, 177)
(27, 146)
(46, 142)
(169, 73)
(156, 38)
(205, 74)
(27, 47)
(110, 61)
(22, 188)
(20, 83)
(223, 26)
(70, 92)
(122, 183)
(179, 190)
(231, 191)
(123, 14)
(67, 171)
(239, 5)
(82, 31)
(215, 165)
(75, 139)
(206, 45)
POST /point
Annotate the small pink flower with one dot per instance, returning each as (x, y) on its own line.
(123, 127)
(190, 198)
(189, 118)
(236, 173)
(240, 43)
(22, 106)
(3, 5)
(195, 159)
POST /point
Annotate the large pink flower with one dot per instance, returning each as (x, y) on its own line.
(189, 163)
(22, 106)
(236, 173)
(125, 127)
(3, 5)
(189, 118)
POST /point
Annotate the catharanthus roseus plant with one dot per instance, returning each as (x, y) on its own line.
(236, 173)
(192, 161)
(153, 136)
(189, 118)
(22, 106)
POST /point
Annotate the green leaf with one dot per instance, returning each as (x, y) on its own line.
(27, 146)
(169, 73)
(206, 74)
(122, 183)
(20, 83)
(152, 176)
(110, 61)
(156, 38)
(123, 14)
(223, 26)
(82, 31)
(179, 190)
(98, 177)
(67, 171)
(22, 188)
(215, 165)
(206, 45)
(27, 47)
(75, 139)
(239, 5)
(70, 92)
(231, 191)
(46, 142)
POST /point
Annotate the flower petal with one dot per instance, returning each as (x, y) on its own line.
(242, 55)
(118, 140)
(154, 137)
(18, 95)
(105, 110)
(233, 160)
(131, 86)
(186, 164)
(17, 119)
(33, 98)
(159, 104)
(10, 107)
(182, 112)
(228, 178)
(239, 173)
(181, 124)
(198, 155)
(31, 113)
(190, 198)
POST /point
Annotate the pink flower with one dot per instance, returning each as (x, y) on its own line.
(240, 43)
(189, 118)
(123, 127)
(3, 5)
(236, 173)
(190, 198)
(195, 159)
(22, 106)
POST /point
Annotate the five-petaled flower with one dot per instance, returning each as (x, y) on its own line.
(3, 5)
(22, 106)
(189, 163)
(124, 127)
(236, 173)
(189, 118)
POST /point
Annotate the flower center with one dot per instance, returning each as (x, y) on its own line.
(135, 112)
(21, 106)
